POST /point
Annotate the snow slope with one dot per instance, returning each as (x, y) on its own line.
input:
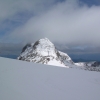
(29, 81)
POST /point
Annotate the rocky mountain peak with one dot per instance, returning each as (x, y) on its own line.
(43, 51)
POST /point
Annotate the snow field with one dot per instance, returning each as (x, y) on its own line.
(20, 80)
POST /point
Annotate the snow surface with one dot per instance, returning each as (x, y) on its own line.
(80, 64)
(56, 63)
(64, 54)
(29, 81)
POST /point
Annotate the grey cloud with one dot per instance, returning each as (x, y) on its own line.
(75, 49)
(9, 8)
(66, 22)
(71, 25)
(10, 48)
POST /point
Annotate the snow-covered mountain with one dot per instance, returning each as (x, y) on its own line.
(43, 51)
(92, 66)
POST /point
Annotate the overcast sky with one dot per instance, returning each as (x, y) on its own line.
(73, 25)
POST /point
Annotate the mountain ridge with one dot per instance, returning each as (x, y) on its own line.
(44, 51)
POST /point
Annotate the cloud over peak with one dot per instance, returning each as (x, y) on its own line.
(69, 21)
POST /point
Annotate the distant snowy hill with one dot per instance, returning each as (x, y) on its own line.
(43, 51)
(29, 81)
(92, 66)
